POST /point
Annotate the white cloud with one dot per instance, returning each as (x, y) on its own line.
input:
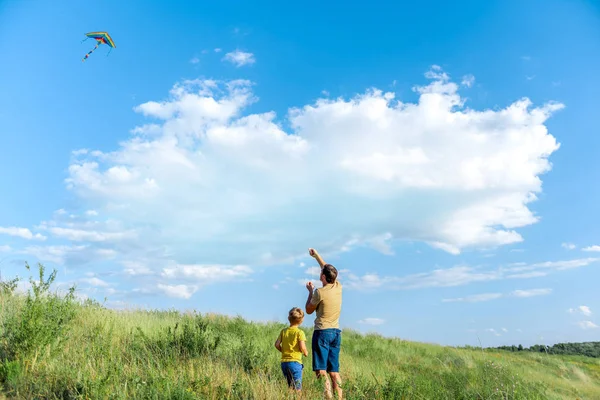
(455, 276)
(468, 80)
(82, 235)
(178, 291)
(206, 173)
(587, 325)
(240, 58)
(195, 60)
(206, 274)
(592, 248)
(94, 281)
(527, 275)
(464, 275)
(314, 271)
(493, 296)
(552, 265)
(4, 249)
(504, 330)
(23, 233)
(69, 255)
(136, 268)
(91, 213)
(492, 330)
(372, 321)
(568, 246)
(475, 298)
(531, 292)
(585, 310)
(526, 58)
(218, 50)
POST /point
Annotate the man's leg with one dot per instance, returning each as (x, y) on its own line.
(322, 378)
(333, 363)
(320, 355)
(337, 383)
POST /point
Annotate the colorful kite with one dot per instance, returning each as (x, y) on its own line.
(100, 37)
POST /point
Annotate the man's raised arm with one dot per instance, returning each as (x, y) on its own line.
(313, 253)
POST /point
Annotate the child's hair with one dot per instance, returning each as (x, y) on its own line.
(296, 315)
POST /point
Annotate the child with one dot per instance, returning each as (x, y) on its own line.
(292, 344)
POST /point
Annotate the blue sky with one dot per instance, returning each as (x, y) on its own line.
(442, 156)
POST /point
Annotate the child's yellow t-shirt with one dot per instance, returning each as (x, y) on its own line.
(290, 344)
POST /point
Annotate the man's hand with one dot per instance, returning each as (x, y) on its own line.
(310, 308)
(313, 253)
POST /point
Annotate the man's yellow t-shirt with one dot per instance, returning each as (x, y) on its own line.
(290, 344)
(328, 300)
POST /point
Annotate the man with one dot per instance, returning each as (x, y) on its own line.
(327, 336)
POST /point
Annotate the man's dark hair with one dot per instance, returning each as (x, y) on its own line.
(330, 273)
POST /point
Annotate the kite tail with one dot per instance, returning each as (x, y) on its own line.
(90, 52)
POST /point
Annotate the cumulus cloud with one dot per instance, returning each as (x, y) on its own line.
(585, 310)
(592, 248)
(177, 291)
(568, 246)
(240, 58)
(475, 298)
(201, 171)
(94, 281)
(449, 277)
(493, 331)
(493, 296)
(552, 265)
(531, 292)
(372, 321)
(468, 80)
(206, 273)
(23, 233)
(69, 255)
(313, 271)
(587, 325)
(136, 268)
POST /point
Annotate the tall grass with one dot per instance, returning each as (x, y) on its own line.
(54, 347)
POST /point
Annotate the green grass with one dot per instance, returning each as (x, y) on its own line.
(85, 351)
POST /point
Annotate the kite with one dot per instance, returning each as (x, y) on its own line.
(100, 37)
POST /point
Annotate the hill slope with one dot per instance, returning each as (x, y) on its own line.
(56, 347)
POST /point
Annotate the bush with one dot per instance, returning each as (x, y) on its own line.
(43, 319)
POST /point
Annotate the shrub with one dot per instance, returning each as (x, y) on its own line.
(43, 319)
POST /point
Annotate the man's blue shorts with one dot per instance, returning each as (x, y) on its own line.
(326, 345)
(292, 370)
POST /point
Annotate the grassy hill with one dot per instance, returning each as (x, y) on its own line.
(58, 348)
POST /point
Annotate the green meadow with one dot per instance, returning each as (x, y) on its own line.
(53, 346)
